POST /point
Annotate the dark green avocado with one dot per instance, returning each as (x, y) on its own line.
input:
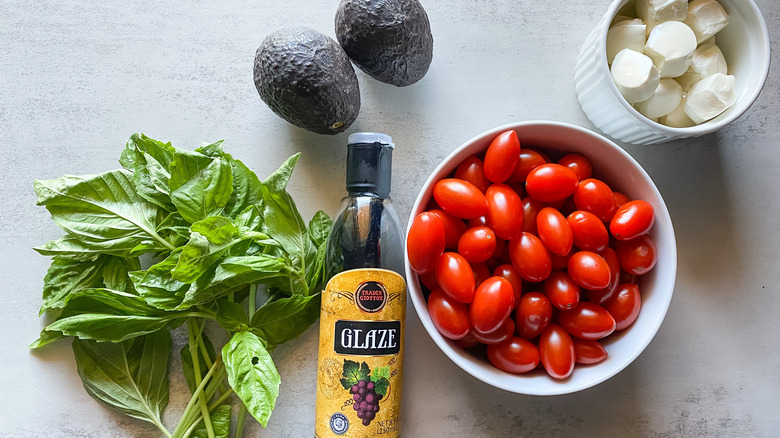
(388, 39)
(306, 78)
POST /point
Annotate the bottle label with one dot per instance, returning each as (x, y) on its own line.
(360, 363)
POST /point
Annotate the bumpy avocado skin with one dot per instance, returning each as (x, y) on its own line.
(307, 79)
(388, 39)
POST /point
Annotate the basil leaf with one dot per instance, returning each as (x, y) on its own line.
(116, 273)
(231, 316)
(151, 180)
(210, 238)
(233, 273)
(252, 374)
(73, 249)
(277, 181)
(157, 286)
(187, 364)
(109, 316)
(247, 189)
(285, 319)
(319, 228)
(159, 151)
(66, 276)
(199, 185)
(102, 212)
(131, 377)
(220, 422)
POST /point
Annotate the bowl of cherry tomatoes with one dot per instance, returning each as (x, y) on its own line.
(540, 258)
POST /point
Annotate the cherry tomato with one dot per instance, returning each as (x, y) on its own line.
(504, 332)
(429, 280)
(473, 170)
(502, 156)
(510, 273)
(595, 196)
(554, 231)
(587, 321)
(599, 296)
(460, 198)
(530, 257)
(529, 159)
(588, 232)
(632, 219)
(492, 304)
(560, 261)
(480, 221)
(425, 242)
(638, 255)
(562, 291)
(620, 199)
(468, 341)
(455, 277)
(477, 244)
(550, 182)
(531, 209)
(556, 351)
(453, 227)
(515, 355)
(505, 211)
(624, 305)
(533, 314)
(587, 351)
(481, 272)
(589, 270)
(450, 317)
(578, 164)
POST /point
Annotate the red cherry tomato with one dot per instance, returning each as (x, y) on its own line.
(560, 261)
(530, 257)
(624, 305)
(533, 314)
(504, 332)
(502, 156)
(595, 196)
(425, 242)
(638, 255)
(588, 352)
(492, 304)
(599, 296)
(578, 164)
(453, 227)
(589, 270)
(554, 231)
(620, 199)
(467, 341)
(551, 182)
(632, 219)
(556, 351)
(529, 159)
(510, 273)
(450, 317)
(531, 209)
(588, 232)
(481, 272)
(455, 277)
(460, 198)
(562, 291)
(477, 244)
(505, 211)
(473, 170)
(515, 355)
(587, 321)
(429, 280)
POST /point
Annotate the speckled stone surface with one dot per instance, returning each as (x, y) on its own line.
(77, 78)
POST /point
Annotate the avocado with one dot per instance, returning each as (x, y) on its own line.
(306, 78)
(388, 39)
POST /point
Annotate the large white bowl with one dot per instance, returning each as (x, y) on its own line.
(623, 174)
(744, 43)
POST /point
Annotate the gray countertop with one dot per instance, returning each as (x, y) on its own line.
(78, 78)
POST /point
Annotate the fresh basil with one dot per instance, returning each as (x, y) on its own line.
(209, 231)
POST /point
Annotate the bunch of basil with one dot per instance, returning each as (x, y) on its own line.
(209, 231)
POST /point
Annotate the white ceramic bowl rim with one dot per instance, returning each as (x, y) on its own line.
(476, 367)
(712, 125)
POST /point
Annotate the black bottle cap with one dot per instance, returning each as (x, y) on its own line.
(369, 163)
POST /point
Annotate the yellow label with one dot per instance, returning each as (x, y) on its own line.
(360, 362)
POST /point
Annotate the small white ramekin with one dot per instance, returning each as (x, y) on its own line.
(744, 43)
